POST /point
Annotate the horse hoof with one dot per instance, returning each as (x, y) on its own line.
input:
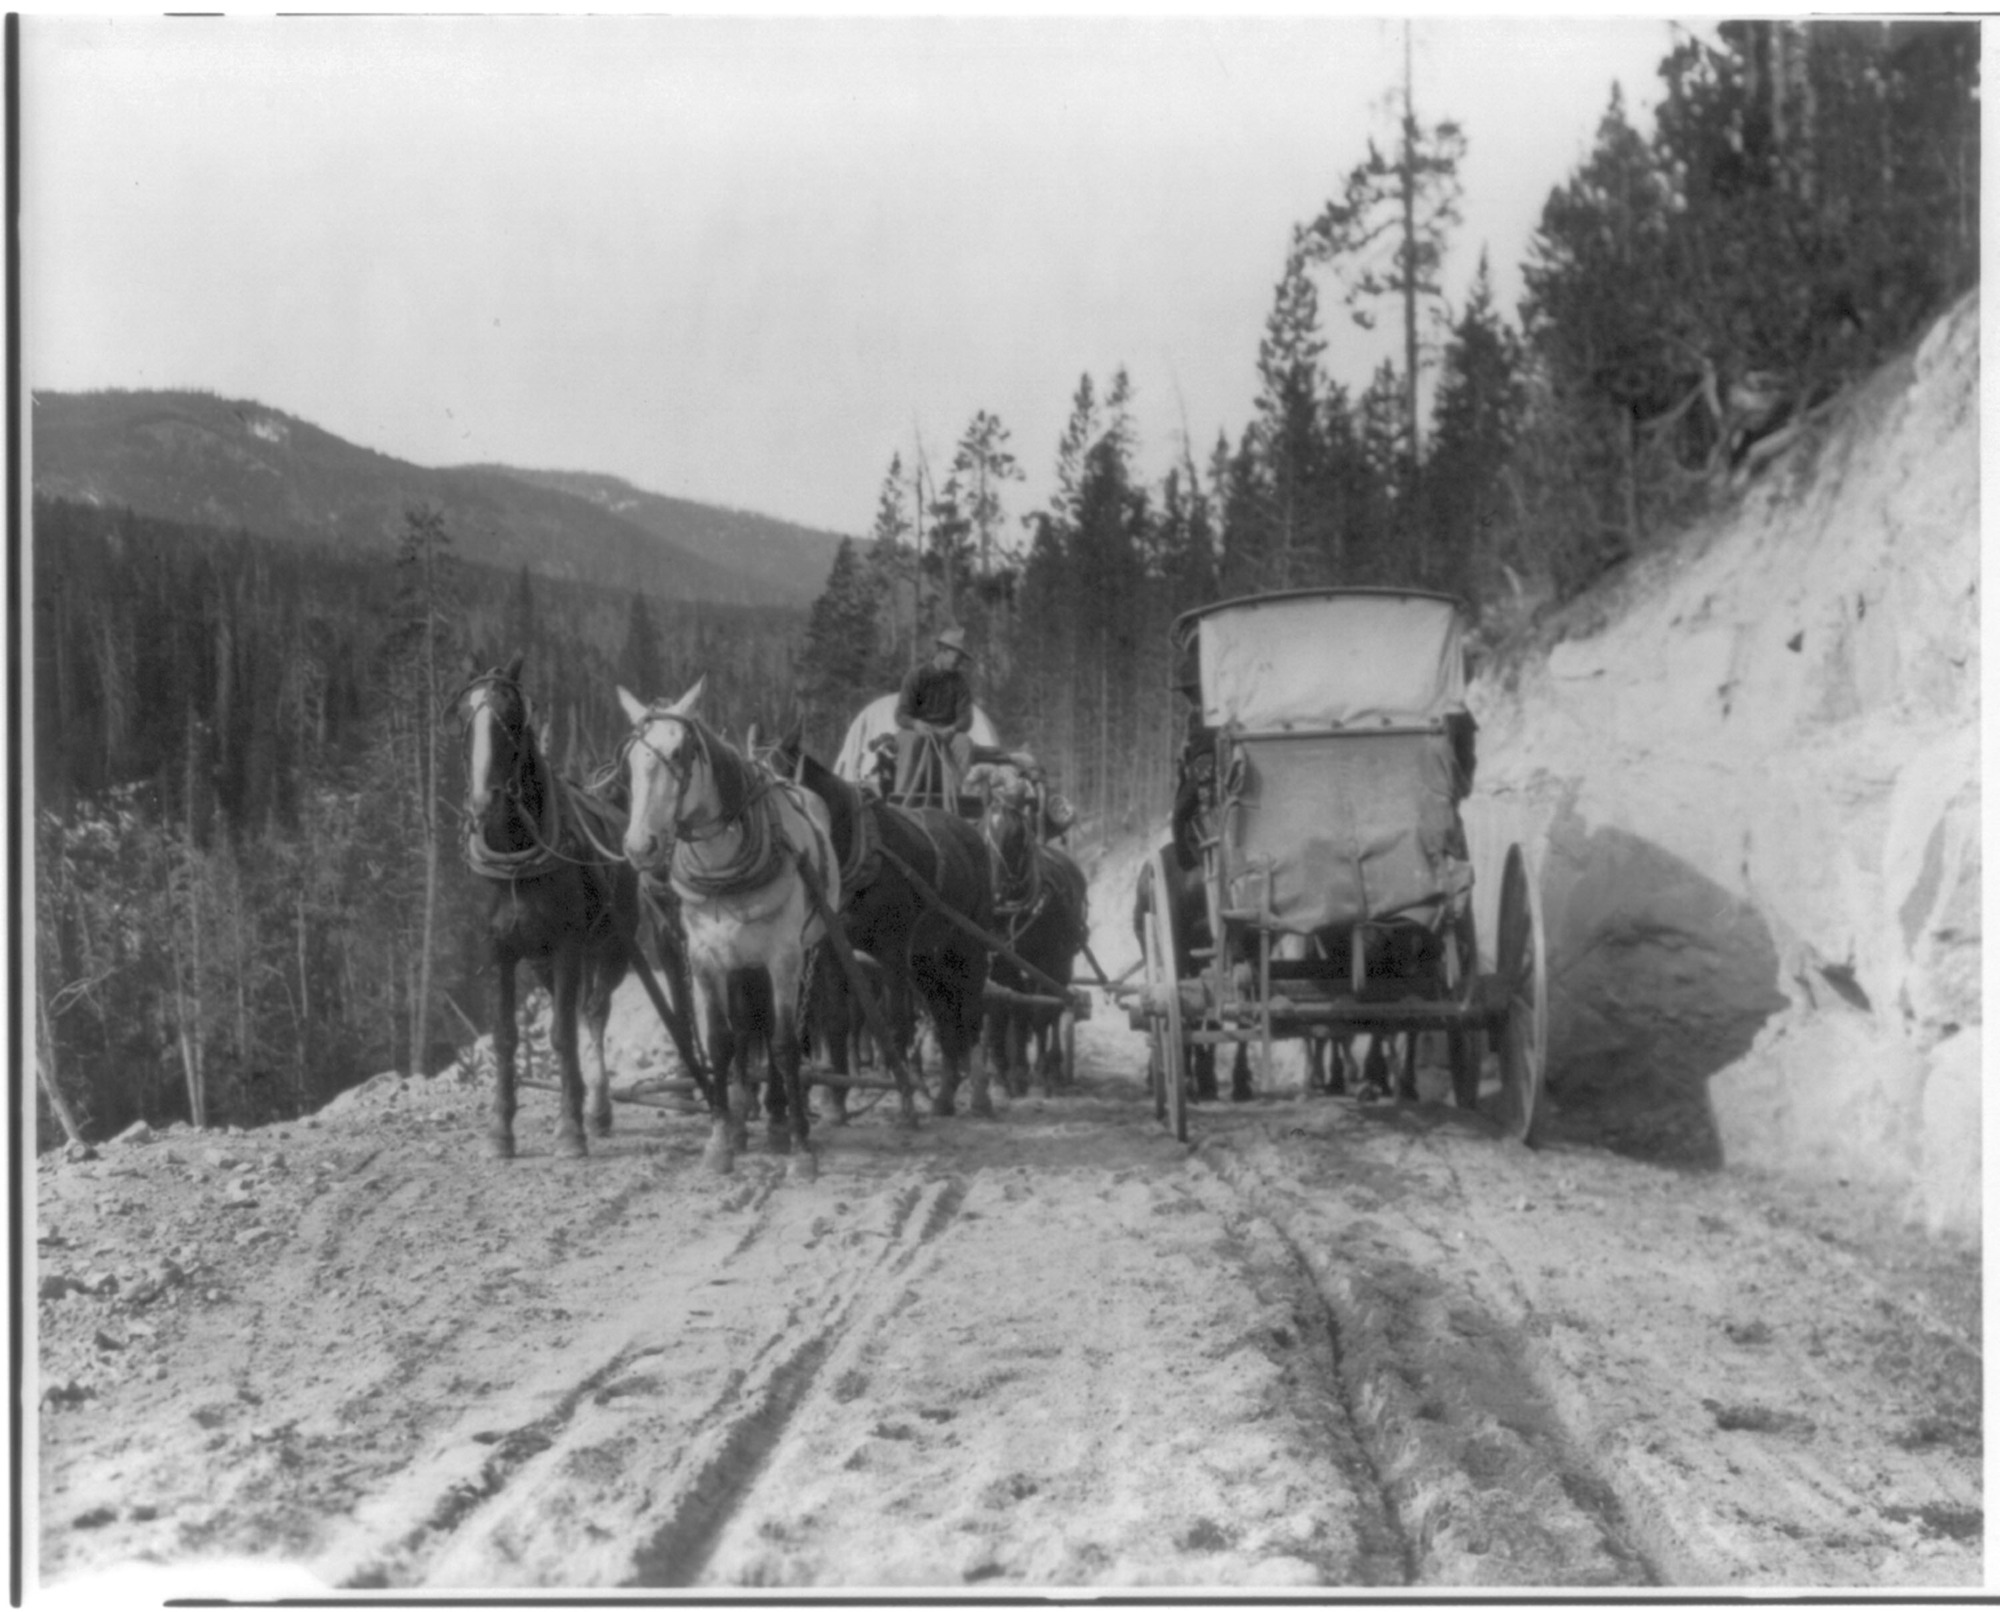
(803, 1166)
(500, 1147)
(943, 1107)
(719, 1158)
(780, 1140)
(570, 1145)
(906, 1120)
(600, 1124)
(982, 1108)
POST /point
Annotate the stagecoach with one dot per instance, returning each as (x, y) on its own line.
(1322, 869)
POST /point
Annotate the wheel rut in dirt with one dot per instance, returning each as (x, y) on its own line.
(761, 1405)
(1481, 1480)
(512, 1450)
(627, 1474)
(1329, 1344)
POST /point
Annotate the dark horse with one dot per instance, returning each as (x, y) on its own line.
(563, 900)
(920, 953)
(1043, 906)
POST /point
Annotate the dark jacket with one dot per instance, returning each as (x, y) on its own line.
(942, 699)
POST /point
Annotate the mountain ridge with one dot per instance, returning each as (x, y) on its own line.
(205, 459)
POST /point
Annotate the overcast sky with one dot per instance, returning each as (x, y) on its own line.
(741, 260)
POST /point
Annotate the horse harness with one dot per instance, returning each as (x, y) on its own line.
(758, 858)
(549, 838)
(1020, 899)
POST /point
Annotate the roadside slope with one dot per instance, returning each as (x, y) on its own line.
(1749, 773)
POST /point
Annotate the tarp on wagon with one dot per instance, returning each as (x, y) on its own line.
(879, 717)
(1330, 660)
(1337, 829)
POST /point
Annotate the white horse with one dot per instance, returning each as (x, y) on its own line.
(739, 846)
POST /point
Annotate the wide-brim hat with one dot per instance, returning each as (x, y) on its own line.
(953, 638)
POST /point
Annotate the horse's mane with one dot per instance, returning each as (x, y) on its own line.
(815, 774)
(737, 779)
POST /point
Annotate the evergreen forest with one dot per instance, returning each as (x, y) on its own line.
(247, 891)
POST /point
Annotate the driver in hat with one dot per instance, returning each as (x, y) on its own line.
(935, 702)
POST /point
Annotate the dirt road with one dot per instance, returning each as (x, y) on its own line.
(1325, 1345)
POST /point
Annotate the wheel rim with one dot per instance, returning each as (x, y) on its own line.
(1172, 1033)
(1156, 1042)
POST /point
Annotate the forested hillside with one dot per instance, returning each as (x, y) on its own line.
(241, 766)
(1696, 297)
(245, 769)
(791, 561)
(192, 456)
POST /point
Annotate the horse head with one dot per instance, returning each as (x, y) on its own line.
(1009, 792)
(669, 773)
(499, 776)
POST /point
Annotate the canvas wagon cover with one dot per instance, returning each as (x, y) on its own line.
(1335, 829)
(879, 717)
(1330, 660)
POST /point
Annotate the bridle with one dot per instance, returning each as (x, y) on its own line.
(1019, 896)
(547, 837)
(682, 768)
(754, 860)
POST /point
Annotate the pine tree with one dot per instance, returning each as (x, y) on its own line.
(1479, 404)
(517, 631)
(426, 634)
(1078, 435)
(1292, 451)
(949, 555)
(1382, 546)
(892, 573)
(1387, 233)
(638, 666)
(1604, 317)
(986, 463)
(839, 669)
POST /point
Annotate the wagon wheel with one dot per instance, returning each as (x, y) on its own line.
(1461, 1045)
(1155, 1058)
(1524, 1037)
(1163, 981)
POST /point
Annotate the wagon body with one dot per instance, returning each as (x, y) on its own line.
(858, 761)
(1330, 738)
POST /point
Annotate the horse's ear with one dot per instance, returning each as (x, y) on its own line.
(684, 706)
(513, 672)
(471, 664)
(750, 739)
(635, 710)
